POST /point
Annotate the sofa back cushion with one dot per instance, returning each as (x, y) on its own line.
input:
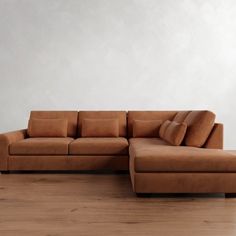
(148, 115)
(180, 116)
(174, 132)
(163, 128)
(146, 128)
(70, 116)
(47, 128)
(100, 128)
(200, 124)
(119, 115)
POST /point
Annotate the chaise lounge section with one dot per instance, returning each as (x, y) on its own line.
(156, 166)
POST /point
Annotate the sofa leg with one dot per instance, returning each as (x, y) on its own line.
(230, 195)
(5, 172)
(143, 195)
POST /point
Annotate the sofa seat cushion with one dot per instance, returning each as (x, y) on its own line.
(154, 155)
(40, 146)
(99, 146)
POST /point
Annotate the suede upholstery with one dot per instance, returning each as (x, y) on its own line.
(99, 146)
(6, 140)
(146, 128)
(184, 182)
(65, 162)
(155, 165)
(41, 146)
(148, 115)
(174, 133)
(120, 115)
(180, 116)
(100, 128)
(47, 128)
(152, 155)
(70, 116)
(151, 173)
(215, 139)
(200, 124)
(163, 128)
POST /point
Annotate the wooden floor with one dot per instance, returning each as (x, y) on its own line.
(104, 204)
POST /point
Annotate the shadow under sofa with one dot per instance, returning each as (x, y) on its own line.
(155, 166)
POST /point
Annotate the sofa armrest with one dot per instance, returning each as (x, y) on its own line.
(216, 137)
(5, 140)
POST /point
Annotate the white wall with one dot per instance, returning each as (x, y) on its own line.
(118, 54)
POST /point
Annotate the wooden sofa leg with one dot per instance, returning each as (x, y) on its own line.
(230, 195)
(5, 172)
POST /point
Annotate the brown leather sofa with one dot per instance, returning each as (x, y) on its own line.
(20, 152)
(144, 142)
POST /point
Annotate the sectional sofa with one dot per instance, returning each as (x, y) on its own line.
(164, 151)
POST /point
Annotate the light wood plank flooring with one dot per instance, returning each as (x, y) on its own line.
(104, 204)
